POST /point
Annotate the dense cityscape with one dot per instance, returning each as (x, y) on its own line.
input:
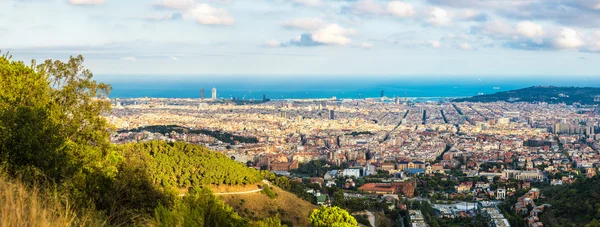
(465, 158)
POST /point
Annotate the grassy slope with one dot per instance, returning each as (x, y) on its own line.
(24, 206)
(289, 206)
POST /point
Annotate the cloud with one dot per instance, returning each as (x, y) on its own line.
(331, 34)
(309, 3)
(128, 58)
(466, 46)
(473, 15)
(304, 23)
(86, 2)
(272, 43)
(175, 4)
(174, 58)
(393, 8)
(568, 39)
(495, 28)
(400, 9)
(435, 44)
(366, 45)
(367, 7)
(530, 30)
(207, 15)
(439, 17)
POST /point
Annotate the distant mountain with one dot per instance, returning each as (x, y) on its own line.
(548, 94)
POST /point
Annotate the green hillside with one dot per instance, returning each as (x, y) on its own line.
(577, 204)
(62, 170)
(548, 94)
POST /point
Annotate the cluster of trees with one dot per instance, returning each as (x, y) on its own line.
(331, 217)
(224, 137)
(184, 165)
(54, 137)
(583, 95)
(574, 204)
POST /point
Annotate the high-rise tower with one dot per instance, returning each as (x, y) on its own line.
(214, 93)
(202, 94)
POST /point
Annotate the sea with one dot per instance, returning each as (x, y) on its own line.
(253, 87)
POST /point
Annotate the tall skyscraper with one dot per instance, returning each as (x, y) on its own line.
(214, 93)
(202, 94)
(331, 115)
(382, 94)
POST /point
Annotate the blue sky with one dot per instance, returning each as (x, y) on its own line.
(316, 37)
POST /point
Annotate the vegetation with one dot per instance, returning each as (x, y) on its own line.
(56, 143)
(331, 217)
(224, 137)
(184, 165)
(292, 211)
(359, 133)
(549, 94)
(21, 205)
(576, 204)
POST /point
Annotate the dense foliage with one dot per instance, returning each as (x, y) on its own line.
(568, 95)
(54, 136)
(224, 137)
(576, 204)
(331, 217)
(184, 165)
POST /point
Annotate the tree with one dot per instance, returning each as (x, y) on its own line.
(331, 217)
(51, 116)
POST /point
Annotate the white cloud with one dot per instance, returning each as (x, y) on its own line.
(568, 39)
(466, 46)
(400, 9)
(439, 17)
(596, 40)
(366, 45)
(207, 15)
(272, 43)
(86, 2)
(309, 3)
(174, 58)
(530, 30)
(497, 28)
(305, 23)
(368, 7)
(175, 4)
(435, 44)
(332, 34)
(128, 59)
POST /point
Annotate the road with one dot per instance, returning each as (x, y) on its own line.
(371, 218)
(239, 193)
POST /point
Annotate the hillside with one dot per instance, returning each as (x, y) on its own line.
(62, 170)
(255, 206)
(576, 204)
(548, 94)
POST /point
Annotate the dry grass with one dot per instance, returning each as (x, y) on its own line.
(23, 206)
(259, 206)
(234, 188)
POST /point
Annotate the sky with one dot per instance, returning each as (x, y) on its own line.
(533, 38)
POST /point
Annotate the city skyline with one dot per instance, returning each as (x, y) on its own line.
(314, 37)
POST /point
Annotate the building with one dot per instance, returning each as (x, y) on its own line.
(501, 193)
(214, 93)
(331, 115)
(382, 94)
(202, 94)
(406, 188)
